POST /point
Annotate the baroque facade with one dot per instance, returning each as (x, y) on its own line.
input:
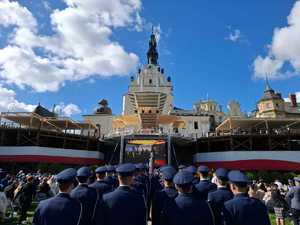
(272, 105)
(148, 106)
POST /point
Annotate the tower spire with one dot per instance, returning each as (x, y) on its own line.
(268, 86)
(152, 54)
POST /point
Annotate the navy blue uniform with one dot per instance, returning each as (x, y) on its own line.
(145, 181)
(58, 210)
(123, 206)
(112, 180)
(246, 211)
(101, 187)
(217, 199)
(160, 199)
(204, 187)
(89, 199)
(187, 209)
(140, 186)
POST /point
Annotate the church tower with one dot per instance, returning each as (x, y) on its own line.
(150, 92)
(271, 105)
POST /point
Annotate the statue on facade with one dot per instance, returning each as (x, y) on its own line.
(103, 109)
(152, 53)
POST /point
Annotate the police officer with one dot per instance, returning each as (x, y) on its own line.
(186, 208)
(111, 178)
(294, 196)
(217, 198)
(124, 205)
(61, 209)
(242, 209)
(193, 170)
(204, 186)
(140, 183)
(162, 197)
(100, 185)
(155, 184)
(87, 196)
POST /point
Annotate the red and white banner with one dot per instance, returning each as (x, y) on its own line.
(36, 154)
(251, 160)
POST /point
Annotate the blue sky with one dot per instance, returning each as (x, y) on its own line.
(207, 47)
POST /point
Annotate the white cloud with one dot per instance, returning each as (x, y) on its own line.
(158, 32)
(23, 68)
(234, 36)
(46, 5)
(80, 47)
(267, 66)
(8, 102)
(67, 110)
(284, 49)
(12, 13)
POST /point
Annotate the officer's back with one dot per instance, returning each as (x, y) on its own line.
(186, 208)
(162, 197)
(100, 185)
(124, 206)
(87, 196)
(111, 178)
(204, 186)
(60, 209)
(217, 198)
(242, 209)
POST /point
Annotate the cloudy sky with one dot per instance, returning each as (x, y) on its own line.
(73, 53)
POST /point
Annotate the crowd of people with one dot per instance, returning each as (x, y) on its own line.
(127, 194)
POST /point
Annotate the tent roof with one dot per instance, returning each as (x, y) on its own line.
(267, 123)
(36, 121)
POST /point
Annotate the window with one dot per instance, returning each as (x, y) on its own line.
(268, 105)
(196, 125)
(150, 81)
(175, 129)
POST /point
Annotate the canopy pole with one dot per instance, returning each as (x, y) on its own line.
(121, 149)
(169, 150)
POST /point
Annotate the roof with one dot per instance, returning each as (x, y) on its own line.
(34, 120)
(290, 109)
(270, 94)
(41, 111)
(263, 123)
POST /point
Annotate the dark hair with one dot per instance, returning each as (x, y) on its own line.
(262, 187)
(64, 186)
(222, 180)
(240, 184)
(82, 179)
(100, 175)
(204, 174)
(125, 174)
(185, 187)
(253, 186)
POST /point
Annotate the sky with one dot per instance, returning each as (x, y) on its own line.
(73, 53)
